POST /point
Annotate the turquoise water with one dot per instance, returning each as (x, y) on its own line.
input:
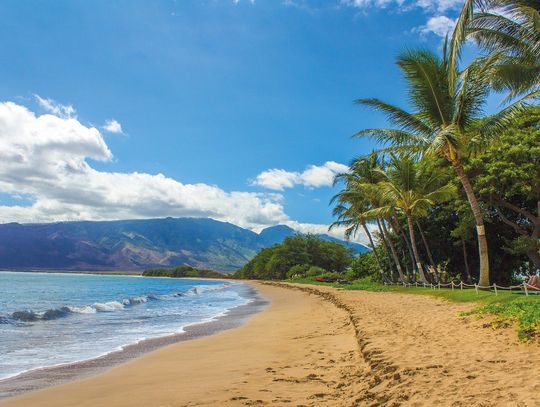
(49, 319)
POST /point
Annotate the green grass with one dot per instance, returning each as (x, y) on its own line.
(508, 308)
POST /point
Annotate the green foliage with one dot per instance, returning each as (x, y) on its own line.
(276, 262)
(524, 312)
(364, 265)
(183, 271)
(315, 271)
(299, 270)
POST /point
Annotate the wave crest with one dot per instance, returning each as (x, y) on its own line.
(110, 306)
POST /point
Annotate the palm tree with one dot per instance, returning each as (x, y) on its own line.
(509, 30)
(360, 185)
(448, 104)
(412, 187)
(351, 212)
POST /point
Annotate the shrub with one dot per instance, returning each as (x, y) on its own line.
(298, 270)
(315, 271)
(365, 265)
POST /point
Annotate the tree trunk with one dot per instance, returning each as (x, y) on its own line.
(368, 233)
(426, 245)
(394, 252)
(534, 256)
(396, 226)
(415, 249)
(466, 260)
(479, 220)
(386, 246)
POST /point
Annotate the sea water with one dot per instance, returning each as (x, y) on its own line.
(48, 319)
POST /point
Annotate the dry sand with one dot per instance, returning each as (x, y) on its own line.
(318, 346)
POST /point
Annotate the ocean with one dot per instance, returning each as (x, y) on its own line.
(51, 319)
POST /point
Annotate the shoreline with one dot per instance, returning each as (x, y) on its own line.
(45, 377)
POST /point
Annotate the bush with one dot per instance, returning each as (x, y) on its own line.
(299, 270)
(365, 265)
(183, 271)
(315, 271)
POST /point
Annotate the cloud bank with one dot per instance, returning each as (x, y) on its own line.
(46, 157)
(312, 177)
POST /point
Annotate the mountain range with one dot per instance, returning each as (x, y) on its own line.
(137, 244)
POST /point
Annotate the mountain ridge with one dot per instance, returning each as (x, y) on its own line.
(135, 244)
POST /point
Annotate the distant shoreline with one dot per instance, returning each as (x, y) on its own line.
(98, 272)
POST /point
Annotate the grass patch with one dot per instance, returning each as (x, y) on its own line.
(508, 308)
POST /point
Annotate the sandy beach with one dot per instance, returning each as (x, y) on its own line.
(316, 346)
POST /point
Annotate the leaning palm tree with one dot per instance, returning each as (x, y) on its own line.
(351, 213)
(509, 30)
(412, 187)
(363, 179)
(447, 105)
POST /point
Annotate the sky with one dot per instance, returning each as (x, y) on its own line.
(238, 110)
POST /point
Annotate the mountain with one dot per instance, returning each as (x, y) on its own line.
(133, 244)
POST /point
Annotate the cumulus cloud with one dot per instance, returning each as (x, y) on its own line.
(50, 106)
(47, 157)
(438, 25)
(428, 5)
(337, 232)
(113, 126)
(312, 177)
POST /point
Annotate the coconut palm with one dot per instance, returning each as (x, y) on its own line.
(447, 105)
(412, 187)
(363, 179)
(350, 210)
(509, 30)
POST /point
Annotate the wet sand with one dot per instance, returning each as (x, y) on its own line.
(318, 346)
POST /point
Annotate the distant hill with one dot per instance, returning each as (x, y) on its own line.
(135, 244)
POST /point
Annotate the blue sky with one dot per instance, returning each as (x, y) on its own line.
(210, 94)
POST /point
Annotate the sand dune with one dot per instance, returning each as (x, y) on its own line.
(317, 346)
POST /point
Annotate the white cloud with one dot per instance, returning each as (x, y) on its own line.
(438, 25)
(313, 176)
(338, 232)
(46, 158)
(50, 106)
(113, 126)
(428, 5)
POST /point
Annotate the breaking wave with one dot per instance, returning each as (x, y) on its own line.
(110, 306)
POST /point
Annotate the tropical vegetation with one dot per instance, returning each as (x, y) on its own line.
(300, 255)
(183, 271)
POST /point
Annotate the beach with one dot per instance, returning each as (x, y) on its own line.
(314, 346)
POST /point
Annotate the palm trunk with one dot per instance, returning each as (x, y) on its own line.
(399, 230)
(466, 260)
(386, 246)
(426, 245)
(368, 233)
(479, 220)
(394, 252)
(415, 249)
